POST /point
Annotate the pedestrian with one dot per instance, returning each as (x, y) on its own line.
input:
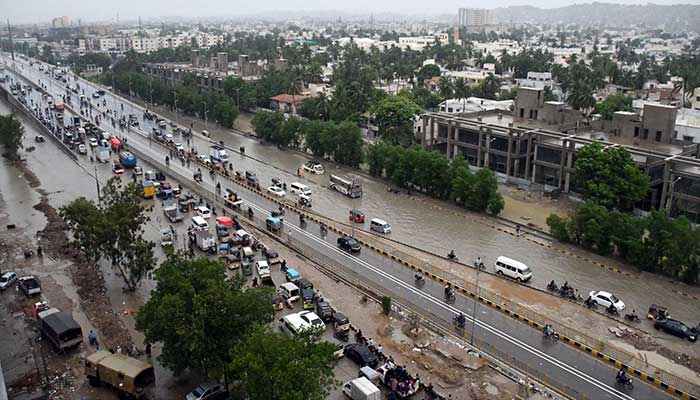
(119, 349)
(148, 349)
(380, 351)
(370, 343)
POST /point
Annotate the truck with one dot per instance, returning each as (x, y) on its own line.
(29, 285)
(127, 159)
(218, 153)
(128, 376)
(103, 154)
(60, 329)
(170, 211)
(361, 389)
(205, 241)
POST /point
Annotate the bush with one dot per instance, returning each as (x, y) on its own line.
(386, 305)
(557, 227)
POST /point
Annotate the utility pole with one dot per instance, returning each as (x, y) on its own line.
(12, 46)
(97, 182)
(175, 105)
(205, 114)
(476, 299)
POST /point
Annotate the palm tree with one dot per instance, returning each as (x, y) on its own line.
(293, 86)
(323, 107)
(461, 91)
(445, 87)
(490, 86)
(505, 59)
(581, 98)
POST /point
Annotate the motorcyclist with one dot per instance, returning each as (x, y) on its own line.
(552, 285)
(612, 309)
(451, 255)
(622, 376)
(419, 278)
(448, 291)
(250, 212)
(548, 331)
(461, 320)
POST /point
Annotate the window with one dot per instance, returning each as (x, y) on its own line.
(522, 112)
(645, 134)
(658, 136)
(636, 131)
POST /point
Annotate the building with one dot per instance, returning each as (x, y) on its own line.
(695, 104)
(474, 104)
(537, 80)
(534, 152)
(419, 42)
(286, 102)
(475, 19)
(61, 22)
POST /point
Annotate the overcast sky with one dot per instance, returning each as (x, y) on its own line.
(24, 11)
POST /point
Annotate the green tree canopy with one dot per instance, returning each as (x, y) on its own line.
(11, 133)
(612, 104)
(394, 116)
(426, 72)
(270, 365)
(198, 316)
(608, 176)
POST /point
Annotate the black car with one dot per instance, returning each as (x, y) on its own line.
(304, 283)
(677, 328)
(324, 311)
(348, 243)
(361, 354)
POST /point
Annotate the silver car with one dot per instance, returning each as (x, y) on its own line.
(7, 279)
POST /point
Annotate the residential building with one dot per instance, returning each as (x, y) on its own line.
(474, 104)
(475, 19)
(695, 104)
(61, 22)
(286, 102)
(537, 80)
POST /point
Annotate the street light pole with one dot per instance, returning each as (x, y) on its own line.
(205, 114)
(352, 185)
(476, 299)
(175, 105)
(669, 203)
(97, 182)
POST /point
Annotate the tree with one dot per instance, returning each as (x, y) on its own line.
(394, 116)
(581, 98)
(426, 72)
(461, 91)
(113, 229)
(490, 86)
(268, 124)
(11, 133)
(270, 365)
(445, 88)
(198, 316)
(608, 176)
(347, 140)
(612, 104)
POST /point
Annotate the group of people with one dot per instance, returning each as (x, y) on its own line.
(375, 348)
(399, 380)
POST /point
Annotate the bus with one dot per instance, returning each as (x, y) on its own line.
(347, 186)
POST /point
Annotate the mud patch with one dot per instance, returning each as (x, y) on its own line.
(686, 360)
(30, 176)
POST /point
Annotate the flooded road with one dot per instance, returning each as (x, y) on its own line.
(430, 225)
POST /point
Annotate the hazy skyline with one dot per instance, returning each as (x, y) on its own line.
(36, 11)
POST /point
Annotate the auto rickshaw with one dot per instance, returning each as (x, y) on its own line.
(273, 224)
(357, 216)
(658, 313)
(340, 322)
(149, 190)
(292, 275)
(277, 302)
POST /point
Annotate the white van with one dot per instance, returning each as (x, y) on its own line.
(289, 291)
(199, 223)
(513, 269)
(380, 226)
(203, 212)
(300, 188)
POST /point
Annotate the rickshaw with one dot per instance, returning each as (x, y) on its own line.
(277, 302)
(357, 216)
(292, 275)
(340, 322)
(304, 200)
(224, 248)
(658, 313)
(273, 224)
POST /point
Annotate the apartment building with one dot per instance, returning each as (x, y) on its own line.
(476, 19)
(540, 152)
(695, 103)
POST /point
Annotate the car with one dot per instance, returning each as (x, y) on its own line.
(173, 124)
(304, 283)
(314, 167)
(605, 299)
(324, 310)
(312, 320)
(93, 142)
(676, 328)
(39, 139)
(96, 95)
(7, 279)
(117, 168)
(203, 212)
(179, 147)
(205, 391)
(277, 191)
(203, 159)
(138, 170)
(348, 243)
(271, 256)
(263, 270)
(169, 138)
(361, 355)
(82, 149)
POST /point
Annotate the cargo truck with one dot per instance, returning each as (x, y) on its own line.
(128, 376)
(218, 153)
(127, 159)
(362, 389)
(170, 211)
(60, 329)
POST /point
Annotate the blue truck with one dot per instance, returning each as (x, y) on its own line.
(127, 159)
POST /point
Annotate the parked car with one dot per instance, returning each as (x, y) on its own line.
(7, 279)
(348, 243)
(361, 355)
(605, 299)
(82, 149)
(179, 147)
(93, 142)
(677, 328)
(276, 191)
(205, 391)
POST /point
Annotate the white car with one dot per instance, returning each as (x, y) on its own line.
(312, 320)
(7, 279)
(277, 191)
(203, 212)
(93, 142)
(138, 170)
(169, 138)
(179, 147)
(605, 299)
(314, 168)
(82, 149)
(203, 159)
(263, 270)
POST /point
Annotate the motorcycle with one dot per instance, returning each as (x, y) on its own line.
(612, 311)
(624, 382)
(632, 317)
(450, 297)
(452, 257)
(459, 321)
(590, 303)
(552, 286)
(420, 281)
